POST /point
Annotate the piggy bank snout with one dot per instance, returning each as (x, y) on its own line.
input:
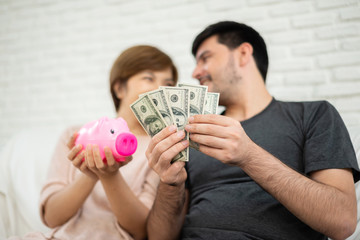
(126, 144)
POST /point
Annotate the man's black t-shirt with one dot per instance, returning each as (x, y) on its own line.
(225, 203)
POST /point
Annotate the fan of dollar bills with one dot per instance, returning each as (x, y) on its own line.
(166, 106)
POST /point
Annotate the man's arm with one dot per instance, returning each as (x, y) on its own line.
(326, 201)
(168, 212)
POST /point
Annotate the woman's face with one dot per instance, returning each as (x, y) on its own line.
(143, 82)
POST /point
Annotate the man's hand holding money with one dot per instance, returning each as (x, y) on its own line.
(163, 147)
(168, 106)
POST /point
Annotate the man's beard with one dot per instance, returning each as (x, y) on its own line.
(228, 79)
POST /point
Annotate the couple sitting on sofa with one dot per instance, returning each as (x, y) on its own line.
(264, 169)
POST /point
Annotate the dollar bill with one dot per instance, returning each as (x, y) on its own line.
(178, 99)
(159, 100)
(151, 120)
(174, 105)
(197, 98)
(211, 103)
(148, 116)
(197, 101)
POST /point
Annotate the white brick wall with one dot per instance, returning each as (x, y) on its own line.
(55, 55)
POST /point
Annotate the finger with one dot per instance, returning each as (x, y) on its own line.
(78, 160)
(211, 119)
(83, 167)
(166, 143)
(212, 152)
(99, 163)
(175, 174)
(89, 157)
(72, 140)
(160, 136)
(211, 141)
(74, 151)
(208, 129)
(165, 159)
(176, 167)
(129, 159)
(126, 161)
(109, 156)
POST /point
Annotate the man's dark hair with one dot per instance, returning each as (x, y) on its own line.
(232, 34)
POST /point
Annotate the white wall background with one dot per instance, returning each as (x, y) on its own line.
(55, 55)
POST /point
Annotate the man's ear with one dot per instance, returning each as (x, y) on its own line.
(245, 53)
(120, 90)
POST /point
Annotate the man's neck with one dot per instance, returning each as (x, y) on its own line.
(249, 104)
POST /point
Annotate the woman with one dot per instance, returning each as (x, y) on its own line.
(91, 200)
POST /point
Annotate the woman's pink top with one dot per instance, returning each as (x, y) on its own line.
(95, 220)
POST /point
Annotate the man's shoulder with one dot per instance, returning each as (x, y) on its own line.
(317, 103)
(306, 106)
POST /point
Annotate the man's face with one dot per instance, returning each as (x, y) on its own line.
(210, 59)
(215, 67)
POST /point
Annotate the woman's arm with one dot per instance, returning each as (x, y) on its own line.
(130, 212)
(65, 203)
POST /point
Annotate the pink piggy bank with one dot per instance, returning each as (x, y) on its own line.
(113, 133)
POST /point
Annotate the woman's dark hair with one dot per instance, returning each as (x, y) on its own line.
(233, 34)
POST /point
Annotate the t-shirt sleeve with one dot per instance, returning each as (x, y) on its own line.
(60, 171)
(327, 141)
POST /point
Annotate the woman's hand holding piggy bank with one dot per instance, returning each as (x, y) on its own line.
(113, 133)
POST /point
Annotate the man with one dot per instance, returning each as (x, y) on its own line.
(265, 169)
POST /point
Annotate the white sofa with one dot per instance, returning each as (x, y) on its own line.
(23, 165)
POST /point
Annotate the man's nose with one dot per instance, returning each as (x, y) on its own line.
(197, 72)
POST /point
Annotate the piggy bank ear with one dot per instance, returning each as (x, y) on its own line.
(99, 126)
(121, 122)
(103, 120)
